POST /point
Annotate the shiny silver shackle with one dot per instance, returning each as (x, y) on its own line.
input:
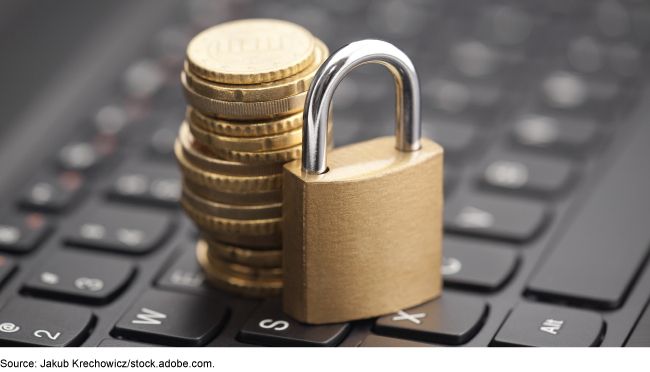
(328, 77)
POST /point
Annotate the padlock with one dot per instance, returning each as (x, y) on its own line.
(362, 227)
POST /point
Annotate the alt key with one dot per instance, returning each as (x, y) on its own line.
(543, 325)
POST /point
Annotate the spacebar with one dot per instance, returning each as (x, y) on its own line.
(596, 261)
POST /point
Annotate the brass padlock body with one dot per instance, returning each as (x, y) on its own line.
(363, 239)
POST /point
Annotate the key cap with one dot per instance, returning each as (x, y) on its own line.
(447, 96)
(475, 59)
(91, 152)
(564, 90)
(161, 140)
(508, 25)
(381, 341)
(185, 274)
(29, 322)
(53, 194)
(111, 342)
(7, 267)
(532, 175)
(542, 325)
(585, 54)
(568, 135)
(151, 183)
(477, 265)
(271, 327)
(450, 319)
(612, 18)
(640, 337)
(22, 234)
(174, 319)
(81, 277)
(79, 156)
(494, 216)
(597, 259)
(120, 228)
(162, 143)
(455, 138)
(111, 119)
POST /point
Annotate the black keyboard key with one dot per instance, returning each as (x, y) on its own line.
(120, 228)
(605, 246)
(174, 319)
(271, 327)
(7, 267)
(381, 341)
(29, 322)
(534, 175)
(542, 325)
(153, 183)
(112, 342)
(494, 216)
(477, 265)
(562, 90)
(22, 234)
(450, 319)
(81, 277)
(455, 137)
(161, 143)
(185, 274)
(79, 156)
(53, 193)
(476, 59)
(640, 337)
(567, 135)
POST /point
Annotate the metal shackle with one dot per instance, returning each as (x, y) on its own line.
(328, 77)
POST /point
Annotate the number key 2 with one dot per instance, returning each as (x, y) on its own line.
(29, 322)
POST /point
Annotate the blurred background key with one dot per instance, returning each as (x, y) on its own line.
(23, 233)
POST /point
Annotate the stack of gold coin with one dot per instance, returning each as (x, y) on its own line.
(245, 83)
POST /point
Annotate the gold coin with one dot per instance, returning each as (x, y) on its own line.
(220, 279)
(234, 212)
(240, 198)
(243, 271)
(244, 128)
(244, 256)
(225, 182)
(217, 225)
(205, 159)
(272, 241)
(250, 51)
(273, 156)
(259, 92)
(249, 144)
(243, 110)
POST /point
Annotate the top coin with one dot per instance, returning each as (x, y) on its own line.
(250, 51)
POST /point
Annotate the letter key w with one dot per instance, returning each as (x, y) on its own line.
(149, 317)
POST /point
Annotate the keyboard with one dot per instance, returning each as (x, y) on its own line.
(541, 108)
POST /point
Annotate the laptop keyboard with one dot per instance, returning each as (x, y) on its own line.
(524, 96)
